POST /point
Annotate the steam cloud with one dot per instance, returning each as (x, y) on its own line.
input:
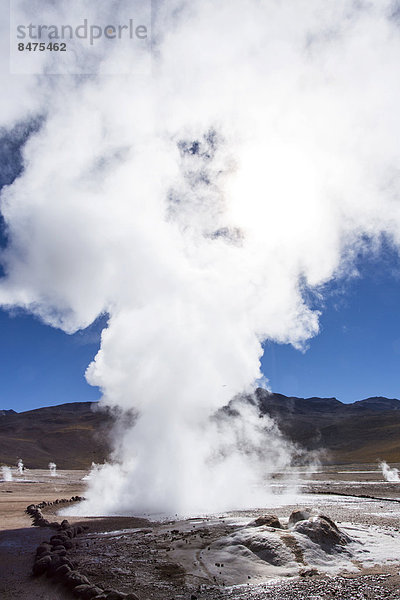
(6, 473)
(53, 469)
(197, 207)
(20, 467)
(390, 473)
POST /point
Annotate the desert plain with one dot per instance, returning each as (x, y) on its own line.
(237, 554)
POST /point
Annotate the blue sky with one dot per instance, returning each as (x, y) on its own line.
(356, 354)
(42, 366)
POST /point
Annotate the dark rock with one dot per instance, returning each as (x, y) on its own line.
(60, 551)
(69, 532)
(308, 572)
(56, 561)
(45, 523)
(41, 565)
(300, 514)
(73, 579)
(64, 560)
(89, 591)
(61, 572)
(43, 554)
(43, 548)
(269, 520)
(80, 590)
(57, 539)
(322, 531)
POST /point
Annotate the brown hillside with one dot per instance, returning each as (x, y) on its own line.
(75, 435)
(71, 435)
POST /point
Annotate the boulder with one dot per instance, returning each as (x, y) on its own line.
(300, 514)
(56, 540)
(322, 531)
(41, 565)
(64, 524)
(56, 561)
(79, 590)
(268, 520)
(43, 548)
(91, 592)
(73, 579)
(61, 572)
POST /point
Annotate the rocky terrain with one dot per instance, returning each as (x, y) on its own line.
(75, 435)
(361, 432)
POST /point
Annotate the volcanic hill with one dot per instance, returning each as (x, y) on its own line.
(75, 435)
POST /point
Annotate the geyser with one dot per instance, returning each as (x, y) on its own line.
(20, 467)
(53, 469)
(6, 473)
(199, 206)
(390, 473)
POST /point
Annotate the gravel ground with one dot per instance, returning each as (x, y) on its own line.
(362, 587)
(148, 557)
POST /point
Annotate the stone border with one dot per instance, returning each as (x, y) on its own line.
(51, 557)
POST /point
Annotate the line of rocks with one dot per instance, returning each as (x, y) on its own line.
(51, 557)
(35, 512)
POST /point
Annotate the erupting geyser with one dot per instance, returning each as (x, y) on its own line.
(6, 473)
(390, 473)
(53, 469)
(20, 467)
(199, 207)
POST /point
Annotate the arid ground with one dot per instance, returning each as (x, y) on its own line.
(216, 556)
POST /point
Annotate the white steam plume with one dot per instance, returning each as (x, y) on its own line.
(196, 206)
(6, 473)
(20, 467)
(53, 469)
(390, 473)
(93, 470)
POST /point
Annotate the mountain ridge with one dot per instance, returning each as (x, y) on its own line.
(76, 434)
(259, 391)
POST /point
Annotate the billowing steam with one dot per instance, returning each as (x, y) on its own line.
(390, 473)
(6, 473)
(53, 469)
(20, 467)
(93, 470)
(198, 206)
